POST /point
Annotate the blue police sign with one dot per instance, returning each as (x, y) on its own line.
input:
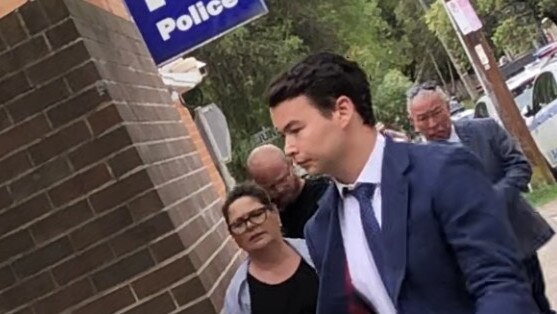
(173, 27)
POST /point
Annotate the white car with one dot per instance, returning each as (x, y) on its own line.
(520, 86)
(535, 92)
(542, 113)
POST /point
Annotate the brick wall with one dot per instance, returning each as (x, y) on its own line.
(105, 204)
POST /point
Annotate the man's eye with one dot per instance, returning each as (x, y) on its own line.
(295, 131)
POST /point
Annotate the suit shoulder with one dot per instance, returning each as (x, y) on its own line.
(432, 158)
(433, 152)
(482, 122)
(468, 122)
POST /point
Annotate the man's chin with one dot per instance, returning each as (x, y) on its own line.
(312, 170)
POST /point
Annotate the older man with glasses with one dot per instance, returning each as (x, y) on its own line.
(504, 164)
(278, 275)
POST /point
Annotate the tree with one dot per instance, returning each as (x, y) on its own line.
(514, 38)
(515, 25)
(242, 63)
(240, 66)
(547, 8)
(390, 100)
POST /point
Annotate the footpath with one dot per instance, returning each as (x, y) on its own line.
(548, 254)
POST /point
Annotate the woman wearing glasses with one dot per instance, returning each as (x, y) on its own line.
(278, 274)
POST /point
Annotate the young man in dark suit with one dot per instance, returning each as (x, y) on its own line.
(404, 228)
(505, 165)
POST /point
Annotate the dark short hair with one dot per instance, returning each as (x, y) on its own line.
(323, 77)
(249, 189)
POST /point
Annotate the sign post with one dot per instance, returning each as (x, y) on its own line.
(481, 56)
(172, 28)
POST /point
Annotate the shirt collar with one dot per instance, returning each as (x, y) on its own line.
(454, 136)
(371, 173)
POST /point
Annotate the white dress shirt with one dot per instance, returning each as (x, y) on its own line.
(361, 265)
(453, 138)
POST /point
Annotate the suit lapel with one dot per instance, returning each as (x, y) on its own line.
(394, 197)
(468, 138)
(463, 133)
(332, 295)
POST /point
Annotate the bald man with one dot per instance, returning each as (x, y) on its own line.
(296, 197)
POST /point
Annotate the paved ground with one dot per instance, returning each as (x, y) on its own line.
(548, 254)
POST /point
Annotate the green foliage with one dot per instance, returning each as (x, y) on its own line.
(365, 34)
(516, 38)
(390, 100)
(438, 22)
(509, 24)
(548, 6)
(542, 196)
(418, 42)
(394, 41)
(242, 63)
(240, 66)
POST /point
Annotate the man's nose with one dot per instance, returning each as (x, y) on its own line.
(431, 122)
(289, 147)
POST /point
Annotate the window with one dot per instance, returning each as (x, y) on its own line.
(545, 91)
(481, 110)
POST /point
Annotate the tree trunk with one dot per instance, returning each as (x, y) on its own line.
(420, 71)
(437, 69)
(453, 83)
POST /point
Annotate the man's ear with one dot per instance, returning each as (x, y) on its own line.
(344, 110)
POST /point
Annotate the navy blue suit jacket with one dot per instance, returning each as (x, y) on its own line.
(450, 248)
(510, 173)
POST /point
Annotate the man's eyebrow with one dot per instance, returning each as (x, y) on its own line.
(290, 125)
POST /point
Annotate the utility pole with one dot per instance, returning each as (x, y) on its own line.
(481, 55)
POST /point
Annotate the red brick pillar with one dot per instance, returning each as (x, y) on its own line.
(105, 205)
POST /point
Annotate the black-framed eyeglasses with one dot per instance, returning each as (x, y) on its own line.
(256, 217)
(416, 89)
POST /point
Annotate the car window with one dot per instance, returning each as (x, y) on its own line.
(545, 90)
(523, 96)
(481, 110)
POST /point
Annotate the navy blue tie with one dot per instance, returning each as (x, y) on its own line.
(363, 192)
